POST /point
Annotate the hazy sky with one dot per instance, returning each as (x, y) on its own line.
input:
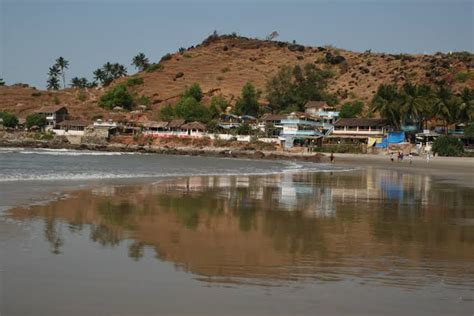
(89, 33)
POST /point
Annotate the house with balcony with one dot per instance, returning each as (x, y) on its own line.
(298, 129)
(71, 127)
(359, 131)
(54, 114)
(324, 114)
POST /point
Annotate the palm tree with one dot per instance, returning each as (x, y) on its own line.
(387, 102)
(62, 65)
(466, 108)
(446, 107)
(416, 103)
(99, 75)
(77, 82)
(53, 83)
(140, 62)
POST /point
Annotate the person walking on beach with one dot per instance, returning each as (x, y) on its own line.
(428, 157)
(410, 158)
(331, 157)
(391, 157)
(399, 156)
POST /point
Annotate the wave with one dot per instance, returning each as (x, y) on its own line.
(63, 152)
(109, 175)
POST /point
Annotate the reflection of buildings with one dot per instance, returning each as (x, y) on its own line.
(287, 226)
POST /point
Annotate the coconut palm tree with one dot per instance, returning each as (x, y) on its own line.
(99, 75)
(466, 108)
(140, 62)
(62, 65)
(416, 103)
(387, 102)
(446, 107)
(53, 83)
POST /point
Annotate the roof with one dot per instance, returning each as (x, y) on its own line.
(175, 123)
(273, 117)
(315, 104)
(74, 123)
(194, 125)
(368, 122)
(50, 109)
(154, 124)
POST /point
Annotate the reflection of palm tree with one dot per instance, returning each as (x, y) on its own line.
(52, 235)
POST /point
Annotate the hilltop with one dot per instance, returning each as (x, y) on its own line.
(223, 64)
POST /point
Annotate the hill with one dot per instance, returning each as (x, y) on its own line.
(223, 64)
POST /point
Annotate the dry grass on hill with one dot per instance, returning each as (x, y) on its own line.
(222, 65)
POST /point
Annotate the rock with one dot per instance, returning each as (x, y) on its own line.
(258, 155)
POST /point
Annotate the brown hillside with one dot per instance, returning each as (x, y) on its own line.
(222, 65)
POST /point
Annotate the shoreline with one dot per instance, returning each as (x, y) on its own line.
(204, 151)
(456, 170)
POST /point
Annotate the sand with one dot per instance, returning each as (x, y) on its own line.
(458, 170)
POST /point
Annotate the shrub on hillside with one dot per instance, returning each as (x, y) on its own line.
(117, 96)
(166, 57)
(9, 120)
(154, 67)
(36, 119)
(134, 81)
(448, 146)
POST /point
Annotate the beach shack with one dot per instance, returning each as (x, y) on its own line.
(194, 129)
(71, 127)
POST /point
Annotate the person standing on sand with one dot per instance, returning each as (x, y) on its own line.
(391, 157)
(331, 157)
(410, 158)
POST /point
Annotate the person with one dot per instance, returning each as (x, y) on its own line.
(399, 156)
(410, 158)
(331, 157)
(391, 157)
(428, 157)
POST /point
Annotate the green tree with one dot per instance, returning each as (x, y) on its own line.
(466, 108)
(448, 146)
(351, 109)
(194, 91)
(446, 107)
(53, 81)
(140, 61)
(167, 113)
(2, 83)
(109, 72)
(8, 119)
(218, 105)
(292, 87)
(387, 102)
(247, 104)
(62, 65)
(117, 96)
(469, 131)
(36, 119)
(80, 83)
(190, 109)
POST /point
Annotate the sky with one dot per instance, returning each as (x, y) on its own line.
(88, 33)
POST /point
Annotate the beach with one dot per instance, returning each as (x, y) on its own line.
(91, 232)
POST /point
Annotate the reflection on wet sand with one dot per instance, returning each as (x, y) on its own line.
(377, 226)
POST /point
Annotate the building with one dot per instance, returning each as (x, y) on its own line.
(54, 114)
(300, 129)
(361, 127)
(71, 127)
(322, 111)
(194, 129)
(271, 124)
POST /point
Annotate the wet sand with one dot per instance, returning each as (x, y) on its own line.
(458, 170)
